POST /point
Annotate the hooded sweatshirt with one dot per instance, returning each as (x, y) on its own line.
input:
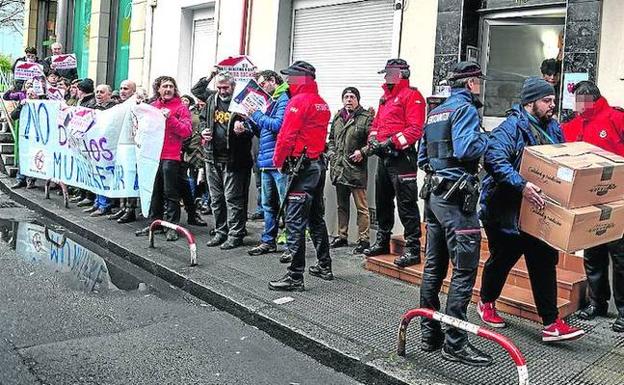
(178, 127)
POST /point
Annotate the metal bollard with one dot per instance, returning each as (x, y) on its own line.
(510, 347)
(180, 230)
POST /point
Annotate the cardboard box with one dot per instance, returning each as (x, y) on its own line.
(570, 230)
(575, 174)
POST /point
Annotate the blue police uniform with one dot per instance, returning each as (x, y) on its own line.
(449, 152)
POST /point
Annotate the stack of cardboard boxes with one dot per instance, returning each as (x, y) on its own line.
(584, 193)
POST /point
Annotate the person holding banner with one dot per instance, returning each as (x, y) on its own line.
(29, 57)
(70, 73)
(166, 194)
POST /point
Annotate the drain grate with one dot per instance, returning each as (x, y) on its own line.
(8, 205)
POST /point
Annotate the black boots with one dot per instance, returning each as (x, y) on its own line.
(468, 355)
(287, 283)
(380, 247)
(592, 311)
(321, 272)
(410, 257)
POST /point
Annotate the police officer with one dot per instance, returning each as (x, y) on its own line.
(303, 133)
(393, 133)
(449, 152)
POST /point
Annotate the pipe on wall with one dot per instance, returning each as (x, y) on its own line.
(244, 27)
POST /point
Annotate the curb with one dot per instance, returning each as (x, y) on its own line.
(340, 361)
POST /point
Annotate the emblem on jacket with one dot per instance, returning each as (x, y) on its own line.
(603, 134)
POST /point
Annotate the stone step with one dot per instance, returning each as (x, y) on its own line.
(8, 159)
(515, 299)
(6, 148)
(6, 137)
(11, 171)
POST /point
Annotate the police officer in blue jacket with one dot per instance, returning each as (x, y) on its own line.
(449, 153)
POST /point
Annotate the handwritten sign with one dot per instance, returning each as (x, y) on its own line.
(570, 79)
(94, 150)
(38, 85)
(54, 93)
(248, 94)
(63, 62)
(26, 70)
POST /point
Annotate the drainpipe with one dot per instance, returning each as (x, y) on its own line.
(61, 23)
(243, 37)
(397, 27)
(148, 45)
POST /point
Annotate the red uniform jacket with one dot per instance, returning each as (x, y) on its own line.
(305, 124)
(177, 127)
(602, 126)
(401, 116)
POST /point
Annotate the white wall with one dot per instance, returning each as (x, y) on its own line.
(611, 54)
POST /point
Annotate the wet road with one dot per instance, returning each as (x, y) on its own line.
(69, 317)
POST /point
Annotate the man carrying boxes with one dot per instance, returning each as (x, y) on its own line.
(603, 126)
(529, 124)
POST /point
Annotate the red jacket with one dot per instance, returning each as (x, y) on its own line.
(602, 126)
(177, 127)
(305, 124)
(401, 116)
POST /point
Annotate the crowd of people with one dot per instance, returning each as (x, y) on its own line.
(207, 161)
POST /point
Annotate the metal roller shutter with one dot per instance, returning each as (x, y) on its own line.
(347, 43)
(203, 48)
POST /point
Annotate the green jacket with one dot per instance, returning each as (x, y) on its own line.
(344, 138)
(192, 149)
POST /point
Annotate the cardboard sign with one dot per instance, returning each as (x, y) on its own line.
(64, 62)
(575, 174)
(240, 67)
(571, 230)
(569, 81)
(38, 85)
(26, 71)
(248, 94)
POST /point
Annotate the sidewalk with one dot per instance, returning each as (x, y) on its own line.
(350, 323)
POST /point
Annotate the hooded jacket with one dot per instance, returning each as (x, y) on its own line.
(267, 125)
(178, 127)
(346, 136)
(501, 193)
(602, 126)
(305, 124)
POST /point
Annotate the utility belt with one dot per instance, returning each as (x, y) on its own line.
(463, 191)
(293, 164)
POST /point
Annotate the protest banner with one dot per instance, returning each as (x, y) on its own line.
(249, 94)
(63, 62)
(240, 67)
(26, 70)
(94, 150)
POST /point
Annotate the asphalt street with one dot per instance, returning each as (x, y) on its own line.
(56, 328)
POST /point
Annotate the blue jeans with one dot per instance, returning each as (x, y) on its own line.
(103, 203)
(273, 191)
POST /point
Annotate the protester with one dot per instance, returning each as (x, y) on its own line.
(103, 101)
(127, 206)
(395, 129)
(21, 97)
(267, 126)
(85, 93)
(202, 193)
(449, 153)
(303, 133)
(69, 73)
(228, 166)
(166, 194)
(348, 153)
(72, 98)
(602, 125)
(528, 124)
(30, 56)
(193, 159)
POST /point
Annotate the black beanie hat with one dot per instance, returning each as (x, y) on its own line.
(535, 88)
(352, 90)
(86, 86)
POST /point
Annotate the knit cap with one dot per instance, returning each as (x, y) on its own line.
(535, 88)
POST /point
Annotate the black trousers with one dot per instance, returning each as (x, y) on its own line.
(166, 195)
(455, 236)
(396, 177)
(596, 261)
(541, 260)
(229, 189)
(305, 208)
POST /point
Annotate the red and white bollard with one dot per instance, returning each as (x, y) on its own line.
(510, 347)
(180, 230)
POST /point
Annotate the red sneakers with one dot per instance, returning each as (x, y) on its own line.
(561, 331)
(488, 315)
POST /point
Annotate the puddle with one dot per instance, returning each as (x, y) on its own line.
(64, 254)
